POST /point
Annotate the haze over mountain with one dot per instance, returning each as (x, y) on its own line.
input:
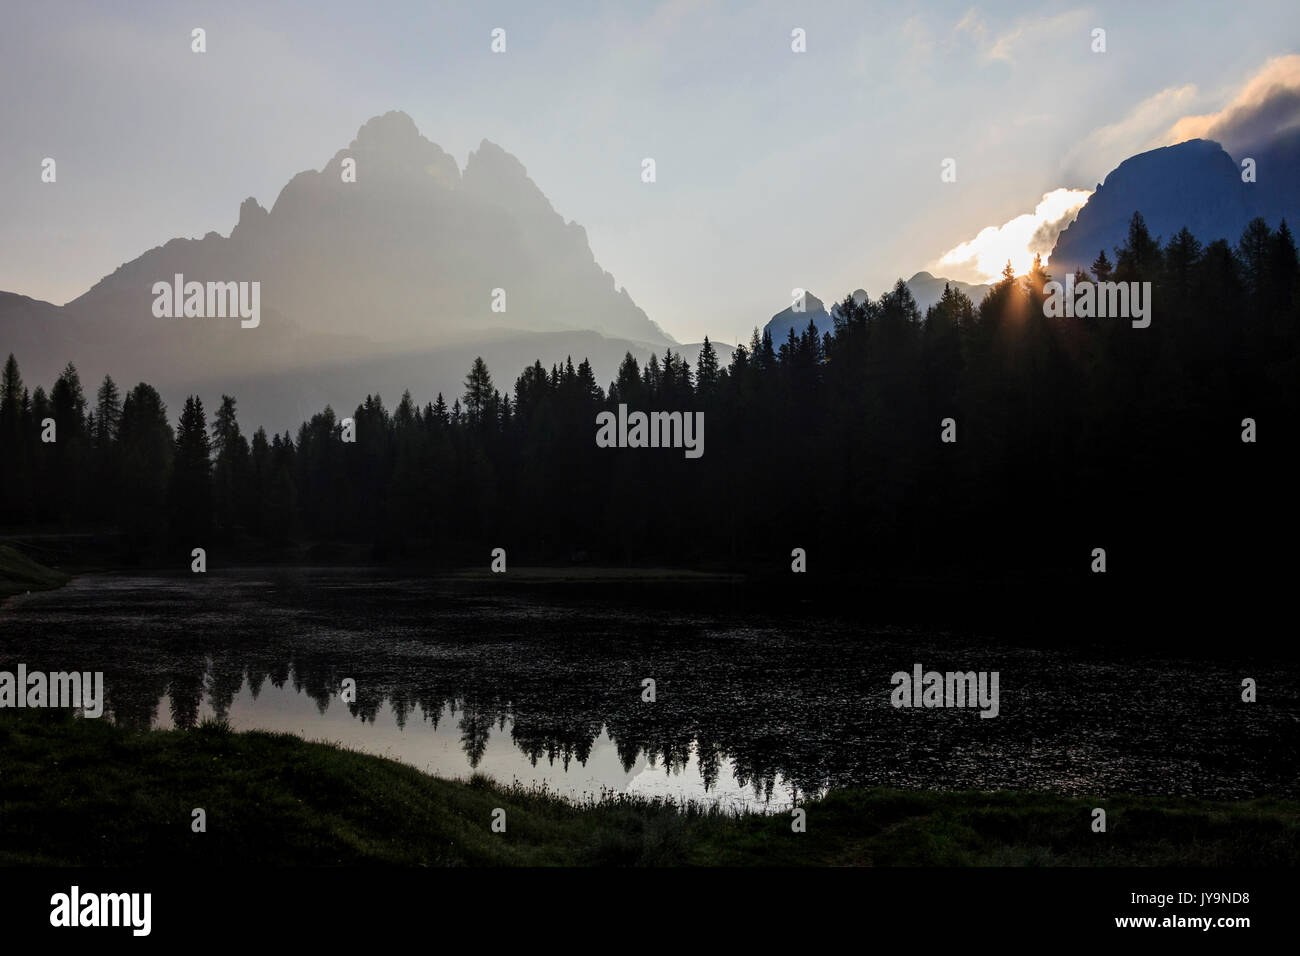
(378, 285)
(925, 288)
(387, 283)
(410, 251)
(1194, 184)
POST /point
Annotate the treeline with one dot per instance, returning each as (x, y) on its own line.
(1071, 434)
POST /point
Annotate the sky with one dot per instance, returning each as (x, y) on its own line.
(775, 170)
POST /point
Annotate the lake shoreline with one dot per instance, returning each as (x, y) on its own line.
(1138, 605)
(1048, 610)
(20, 574)
(83, 792)
(550, 685)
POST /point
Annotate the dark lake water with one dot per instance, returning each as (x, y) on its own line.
(543, 686)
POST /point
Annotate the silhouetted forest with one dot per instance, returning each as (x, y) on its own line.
(1072, 434)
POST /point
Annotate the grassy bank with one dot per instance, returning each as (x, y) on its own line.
(75, 791)
(19, 574)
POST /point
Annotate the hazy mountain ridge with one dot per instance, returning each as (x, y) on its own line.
(926, 289)
(354, 276)
(412, 249)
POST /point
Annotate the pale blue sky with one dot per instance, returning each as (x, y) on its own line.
(775, 169)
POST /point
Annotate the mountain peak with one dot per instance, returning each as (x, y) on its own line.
(810, 302)
(252, 216)
(491, 161)
(406, 247)
(788, 319)
(489, 148)
(392, 130)
(1195, 184)
(925, 287)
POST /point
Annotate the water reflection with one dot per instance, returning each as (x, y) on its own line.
(450, 743)
(455, 677)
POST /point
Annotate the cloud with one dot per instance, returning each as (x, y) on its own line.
(1041, 33)
(1144, 127)
(982, 259)
(973, 24)
(919, 41)
(1267, 105)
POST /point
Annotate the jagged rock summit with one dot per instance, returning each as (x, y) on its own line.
(410, 252)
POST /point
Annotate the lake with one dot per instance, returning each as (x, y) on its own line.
(543, 685)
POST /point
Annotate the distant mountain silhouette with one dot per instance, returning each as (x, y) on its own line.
(1194, 184)
(371, 274)
(411, 250)
(814, 310)
(925, 288)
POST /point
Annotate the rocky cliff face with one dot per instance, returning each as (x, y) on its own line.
(410, 252)
(1194, 184)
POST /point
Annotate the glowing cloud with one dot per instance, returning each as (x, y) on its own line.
(983, 258)
(1267, 104)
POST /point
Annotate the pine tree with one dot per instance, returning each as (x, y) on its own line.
(1139, 259)
(15, 484)
(108, 412)
(1253, 252)
(650, 378)
(69, 454)
(587, 386)
(1181, 259)
(190, 492)
(629, 387)
(231, 471)
(706, 372)
(1283, 271)
(11, 386)
(478, 392)
(1101, 267)
(1038, 277)
(146, 448)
